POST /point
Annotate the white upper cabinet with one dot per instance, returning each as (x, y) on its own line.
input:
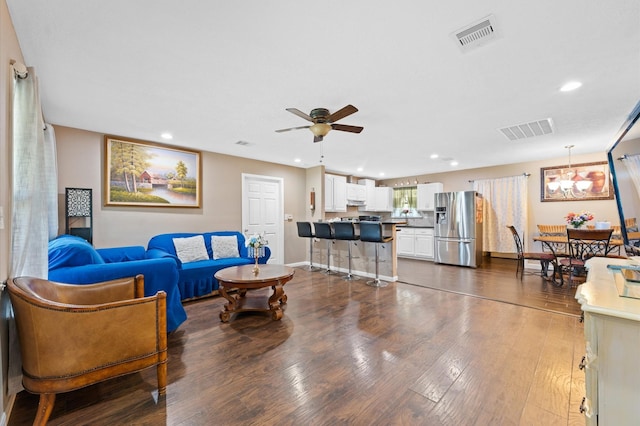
(370, 196)
(384, 199)
(335, 193)
(426, 192)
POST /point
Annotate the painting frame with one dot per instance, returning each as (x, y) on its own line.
(141, 173)
(595, 182)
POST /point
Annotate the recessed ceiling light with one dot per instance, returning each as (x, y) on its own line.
(360, 169)
(297, 160)
(454, 163)
(381, 173)
(167, 136)
(572, 85)
(434, 156)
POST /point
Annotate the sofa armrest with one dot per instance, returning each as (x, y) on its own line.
(122, 254)
(161, 254)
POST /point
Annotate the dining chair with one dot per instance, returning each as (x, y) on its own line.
(544, 258)
(583, 244)
(560, 230)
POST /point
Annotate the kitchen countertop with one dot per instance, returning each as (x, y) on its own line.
(416, 226)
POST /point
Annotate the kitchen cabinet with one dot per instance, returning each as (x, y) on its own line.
(335, 193)
(356, 194)
(406, 241)
(370, 196)
(426, 192)
(383, 199)
(415, 242)
(378, 199)
(424, 243)
(612, 337)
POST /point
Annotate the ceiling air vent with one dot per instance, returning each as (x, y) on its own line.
(528, 130)
(243, 143)
(476, 34)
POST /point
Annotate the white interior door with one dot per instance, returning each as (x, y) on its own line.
(263, 211)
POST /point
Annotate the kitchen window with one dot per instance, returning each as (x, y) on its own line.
(405, 202)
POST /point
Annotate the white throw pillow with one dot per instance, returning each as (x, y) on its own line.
(224, 246)
(191, 249)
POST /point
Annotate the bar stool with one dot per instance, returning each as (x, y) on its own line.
(324, 232)
(345, 231)
(305, 231)
(371, 232)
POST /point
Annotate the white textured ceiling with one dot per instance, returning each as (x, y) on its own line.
(213, 73)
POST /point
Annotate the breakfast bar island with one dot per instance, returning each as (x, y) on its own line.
(362, 253)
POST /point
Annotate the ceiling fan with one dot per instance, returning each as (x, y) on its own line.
(323, 121)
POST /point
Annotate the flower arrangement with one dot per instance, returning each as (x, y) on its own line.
(577, 220)
(256, 241)
(256, 244)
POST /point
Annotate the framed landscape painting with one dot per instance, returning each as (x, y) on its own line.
(578, 182)
(146, 174)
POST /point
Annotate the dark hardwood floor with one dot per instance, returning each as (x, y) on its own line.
(490, 282)
(345, 353)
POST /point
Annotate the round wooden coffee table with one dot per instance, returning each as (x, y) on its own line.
(243, 278)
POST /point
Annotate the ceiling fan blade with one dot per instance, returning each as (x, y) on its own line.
(347, 128)
(342, 113)
(292, 128)
(299, 113)
(317, 139)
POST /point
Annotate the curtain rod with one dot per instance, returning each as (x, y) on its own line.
(525, 174)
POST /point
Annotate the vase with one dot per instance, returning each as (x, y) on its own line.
(256, 268)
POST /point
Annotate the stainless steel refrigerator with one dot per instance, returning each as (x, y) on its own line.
(458, 228)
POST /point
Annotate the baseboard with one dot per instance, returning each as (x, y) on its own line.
(353, 272)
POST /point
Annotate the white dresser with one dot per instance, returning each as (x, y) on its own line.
(612, 356)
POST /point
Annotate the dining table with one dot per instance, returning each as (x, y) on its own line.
(558, 246)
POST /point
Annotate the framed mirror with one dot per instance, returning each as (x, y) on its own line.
(624, 163)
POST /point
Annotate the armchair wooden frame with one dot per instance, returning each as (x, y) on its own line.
(72, 336)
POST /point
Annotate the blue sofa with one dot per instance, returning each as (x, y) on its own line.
(197, 278)
(72, 260)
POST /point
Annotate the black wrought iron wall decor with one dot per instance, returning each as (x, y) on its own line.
(79, 212)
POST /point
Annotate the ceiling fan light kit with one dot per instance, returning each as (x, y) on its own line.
(320, 129)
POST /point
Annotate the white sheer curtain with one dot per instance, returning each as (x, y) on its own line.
(632, 163)
(35, 199)
(505, 203)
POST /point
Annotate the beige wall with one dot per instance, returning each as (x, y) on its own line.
(539, 212)
(81, 163)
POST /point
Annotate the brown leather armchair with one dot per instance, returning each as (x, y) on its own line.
(72, 336)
